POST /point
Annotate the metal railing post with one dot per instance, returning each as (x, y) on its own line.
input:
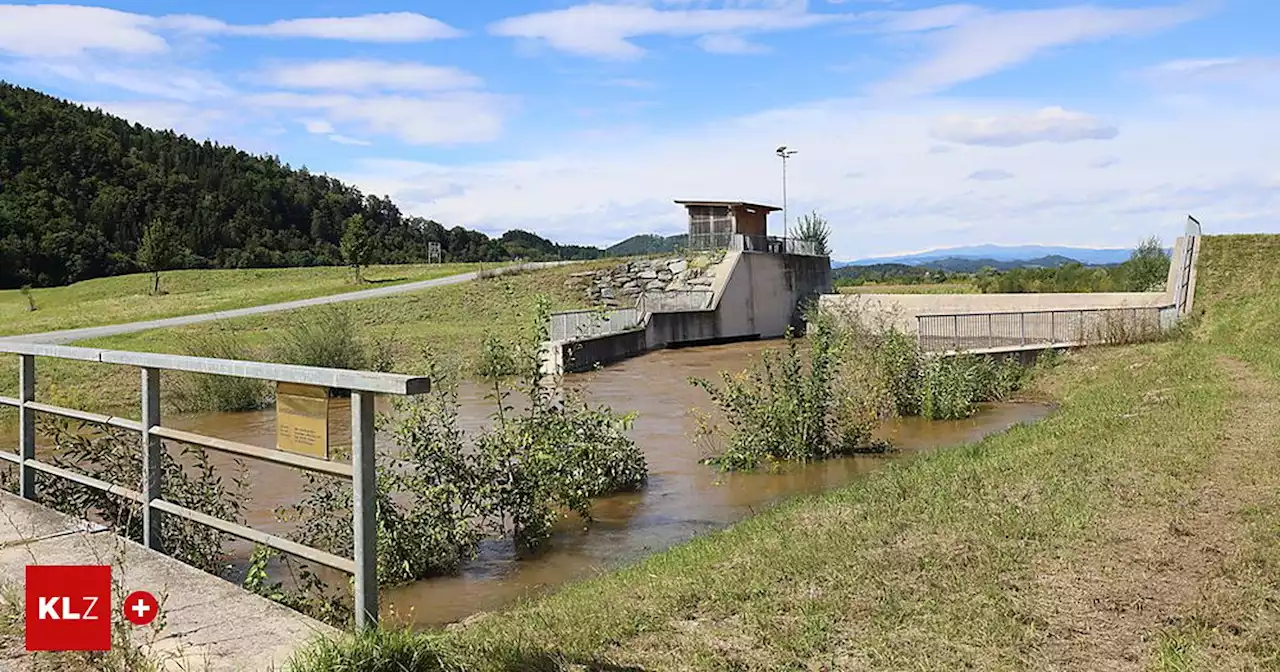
(26, 426)
(1023, 328)
(152, 472)
(364, 508)
(1080, 328)
(991, 332)
(1053, 327)
(955, 327)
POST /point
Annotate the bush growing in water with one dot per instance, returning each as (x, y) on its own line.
(784, 408)
(441, 491)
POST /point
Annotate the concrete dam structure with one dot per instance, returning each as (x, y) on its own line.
(757, 290)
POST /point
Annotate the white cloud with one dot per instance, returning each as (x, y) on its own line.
(70, 30)
(606, 30)
(966, 43)
(1050, 124)
(317, 126)
(990, 175)
(729, 44)
(73, 30)
(356, 74)
(163, 81)
(459, 117)
(1256, 75)
(345, 140)
(388, 27)
(905, 197)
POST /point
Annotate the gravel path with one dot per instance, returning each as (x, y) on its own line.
(70, 335)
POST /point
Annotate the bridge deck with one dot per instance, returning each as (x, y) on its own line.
(209, 623)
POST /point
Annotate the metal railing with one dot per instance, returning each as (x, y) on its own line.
(751, 243)
(363, 385)
(710, 241)
(776, 245)
(961, 332)
(587, 323)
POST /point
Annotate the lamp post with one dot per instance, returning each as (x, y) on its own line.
(784, 154)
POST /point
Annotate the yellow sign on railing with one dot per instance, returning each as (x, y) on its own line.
(302, 419)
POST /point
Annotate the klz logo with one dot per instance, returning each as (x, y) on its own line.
(68, 608)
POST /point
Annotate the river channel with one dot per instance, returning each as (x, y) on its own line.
(682, 499)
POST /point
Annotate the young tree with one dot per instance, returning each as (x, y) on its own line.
(813, 228)
(355, 244)
(1147, 267)
(160, 249)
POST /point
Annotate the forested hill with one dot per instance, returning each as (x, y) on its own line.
(78, 188)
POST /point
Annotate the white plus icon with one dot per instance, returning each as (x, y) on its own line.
(141, 608)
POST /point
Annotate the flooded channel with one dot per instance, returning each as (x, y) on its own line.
(682, 499)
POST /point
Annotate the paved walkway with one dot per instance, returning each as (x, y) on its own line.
(70, 335)
(209, 624)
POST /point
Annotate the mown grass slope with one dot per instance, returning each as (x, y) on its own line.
(128, 298)
(1137, 528)
(449, 321)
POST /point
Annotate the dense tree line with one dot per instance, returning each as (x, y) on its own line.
(80, 189)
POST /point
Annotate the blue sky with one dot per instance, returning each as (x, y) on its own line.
(918, 124)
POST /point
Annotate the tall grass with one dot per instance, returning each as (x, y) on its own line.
(195, 392)
(330, 338)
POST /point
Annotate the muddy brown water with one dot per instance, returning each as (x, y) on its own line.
(683, 498)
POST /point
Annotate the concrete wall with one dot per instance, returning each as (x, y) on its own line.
(682, 327)
(902, 309)
(583, 355)
(764, 293)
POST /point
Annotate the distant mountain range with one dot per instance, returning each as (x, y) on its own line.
(1000, 255)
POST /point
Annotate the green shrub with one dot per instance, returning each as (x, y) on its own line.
(791, 407)
(111, 455)
(442, 491)
(329, 337)
(195, 392)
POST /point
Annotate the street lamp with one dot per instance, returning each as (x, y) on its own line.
(784, 154)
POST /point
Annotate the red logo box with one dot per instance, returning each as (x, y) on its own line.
(68, 608)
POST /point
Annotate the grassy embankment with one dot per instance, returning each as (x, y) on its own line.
(450, 320)
(127, 298)
(1137, 528)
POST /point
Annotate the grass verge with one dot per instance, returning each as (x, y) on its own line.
(1138, 528)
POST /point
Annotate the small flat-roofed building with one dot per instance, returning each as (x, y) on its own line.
(713, 223)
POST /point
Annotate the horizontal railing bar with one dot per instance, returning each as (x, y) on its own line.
(344, 379)
(114, 421)
(10, 457)
(1062, 311)
(10, 401)
(90, 481)
(249, 450)
(247, 533)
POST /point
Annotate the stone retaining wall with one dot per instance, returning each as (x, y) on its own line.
(624, 283)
